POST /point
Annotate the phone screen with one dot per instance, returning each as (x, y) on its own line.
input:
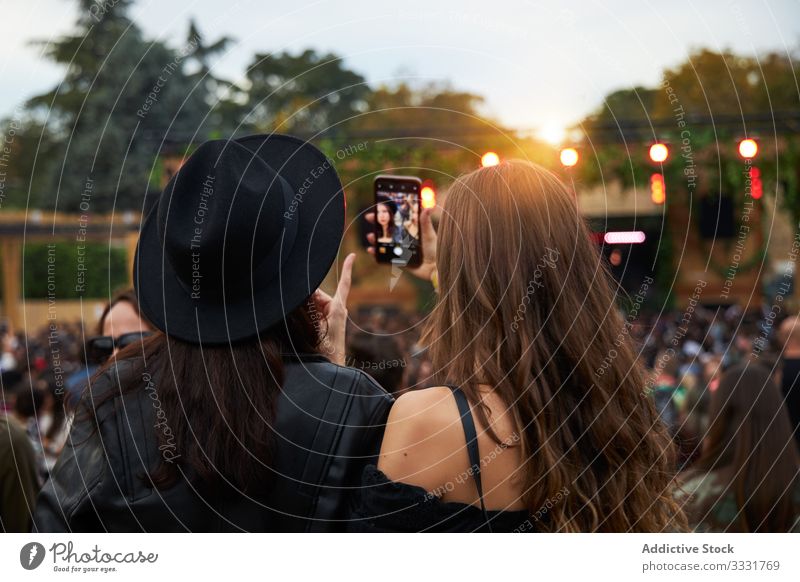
(398, 238)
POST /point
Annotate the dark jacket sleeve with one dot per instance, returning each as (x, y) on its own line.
(376, 426)
(64, 503)
(18, 479)
(83, 475)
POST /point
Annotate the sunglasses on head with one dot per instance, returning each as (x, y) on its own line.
(102, 346)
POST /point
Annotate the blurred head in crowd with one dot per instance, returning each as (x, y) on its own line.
(527, 308)
(381, 357)
(30, 400)
(120, 325)
(122, 316)
(789, 335)
(750, 449)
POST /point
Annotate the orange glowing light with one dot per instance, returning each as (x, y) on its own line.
(659, 152)
(428, 195)
(748, 148)
(490, 159)
(658, 192)
(569, 157)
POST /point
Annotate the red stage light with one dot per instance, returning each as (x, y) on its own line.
(756, 186)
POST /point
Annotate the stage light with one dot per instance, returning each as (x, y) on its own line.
(428, 196)
(748, 148)
(659, 153)
(633, 237)
(569, 157)
(490, 159)
(658, 191)
(756, 186)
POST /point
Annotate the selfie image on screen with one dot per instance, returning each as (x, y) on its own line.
(397, 226)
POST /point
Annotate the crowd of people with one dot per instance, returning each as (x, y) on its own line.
(473, 417)
(384, 342)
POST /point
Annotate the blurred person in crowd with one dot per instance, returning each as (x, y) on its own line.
(665, 385)
(54, 422)
(12, 365)
(521, 415)
(30, 403)
(120, 325)
(411, 220)
(19, 482)
(790, 371)
(237, 414)
(692, 417)
(712, 372)
(122, 316)
(747, 478)
(380, 356)
(8, 345)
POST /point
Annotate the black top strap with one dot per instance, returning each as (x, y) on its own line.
(471, 436)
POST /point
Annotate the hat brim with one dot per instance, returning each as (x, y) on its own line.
(321, 215)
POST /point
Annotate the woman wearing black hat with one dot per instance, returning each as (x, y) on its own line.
(230, 417)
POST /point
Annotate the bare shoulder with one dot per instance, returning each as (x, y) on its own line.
(423, 439)
(430, 404)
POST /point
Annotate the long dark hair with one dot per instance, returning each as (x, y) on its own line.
(390, 228)
(749, 449)
(216, 404)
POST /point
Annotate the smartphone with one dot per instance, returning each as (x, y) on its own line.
(398, 236)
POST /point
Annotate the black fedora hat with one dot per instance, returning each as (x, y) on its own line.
(243, 233)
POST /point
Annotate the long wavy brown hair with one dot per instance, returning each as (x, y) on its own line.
(527, 307)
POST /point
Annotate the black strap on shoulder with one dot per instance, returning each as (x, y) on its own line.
(471, 436)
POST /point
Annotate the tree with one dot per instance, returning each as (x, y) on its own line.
(432, 131)
(306, 93)
(623, 105)
(223, 97)
(121, 100)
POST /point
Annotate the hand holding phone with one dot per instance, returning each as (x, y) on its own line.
(428, 237)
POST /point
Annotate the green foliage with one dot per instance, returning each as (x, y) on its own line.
(71, 271)
(306, 93)
(701, 109)
(30, 148)
(121, 98)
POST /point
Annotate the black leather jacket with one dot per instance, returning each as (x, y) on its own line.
(330, 422)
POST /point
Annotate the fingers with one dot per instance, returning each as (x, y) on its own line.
(371, 250)
(370, 216)
(427, 223)
(371, 238)
(343, 289)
